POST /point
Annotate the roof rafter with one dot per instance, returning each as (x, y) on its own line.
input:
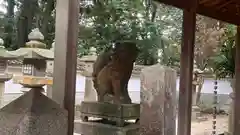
(226, 16)
(225, 4)
(219, 15)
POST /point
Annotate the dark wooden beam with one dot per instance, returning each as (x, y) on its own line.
(228, 17)
(182, 4)
(225, 4)
(236, 108)
(186, 71)
(64, 80)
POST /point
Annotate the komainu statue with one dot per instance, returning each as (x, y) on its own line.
(112, 72)
(102, 60)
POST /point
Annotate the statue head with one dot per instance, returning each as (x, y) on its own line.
(126, 50)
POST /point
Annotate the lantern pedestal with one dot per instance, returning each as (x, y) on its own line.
(32, 81)
(90, 93)
(3, 78)
(29, 82)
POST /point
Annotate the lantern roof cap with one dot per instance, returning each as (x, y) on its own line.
(91, 57)
(35, 48)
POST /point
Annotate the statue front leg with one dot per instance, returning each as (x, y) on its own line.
(124, 88)
(103, 88)
(127, 98)
(117, 90)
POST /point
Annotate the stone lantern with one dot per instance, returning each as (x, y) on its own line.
(34, 57)
(90, 93)
(4, 76)
(33, 113)
(196, 86)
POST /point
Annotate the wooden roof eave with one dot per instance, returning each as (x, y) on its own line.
(209, 12)
(219, 15)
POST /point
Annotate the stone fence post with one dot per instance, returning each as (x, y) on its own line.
(89, 92)
(158, 101)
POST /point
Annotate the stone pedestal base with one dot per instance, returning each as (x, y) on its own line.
(90, 93)
(33, 114)
(196, 114)
(111, 119)
(97, 128)
(115, 112)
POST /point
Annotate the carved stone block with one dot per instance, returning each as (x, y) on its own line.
(158, 101)
(118, 113)
(97, 128)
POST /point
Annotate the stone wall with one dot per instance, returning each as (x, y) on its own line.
(15, 65)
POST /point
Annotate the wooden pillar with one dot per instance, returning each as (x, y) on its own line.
(65, 59)
(186, 71)
(236, 101)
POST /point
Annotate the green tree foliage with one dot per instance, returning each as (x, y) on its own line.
(24, 15)
(224, 61)
(102, 23)
(140, 21)
(156, 28)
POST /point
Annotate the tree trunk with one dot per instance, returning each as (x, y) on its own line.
(25, 20)
(8, 28)
(47, 15)
(154, 12)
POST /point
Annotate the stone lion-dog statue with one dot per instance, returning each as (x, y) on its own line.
(112, 71)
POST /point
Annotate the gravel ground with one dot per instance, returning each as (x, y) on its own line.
(205, 127)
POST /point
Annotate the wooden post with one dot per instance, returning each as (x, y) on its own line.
(186, 71)
(236, 101)
(65, 57)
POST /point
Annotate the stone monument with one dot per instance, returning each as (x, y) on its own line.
(33, 113)
(4, 76)
(114, 116)
(158, 101)
(89, 93)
